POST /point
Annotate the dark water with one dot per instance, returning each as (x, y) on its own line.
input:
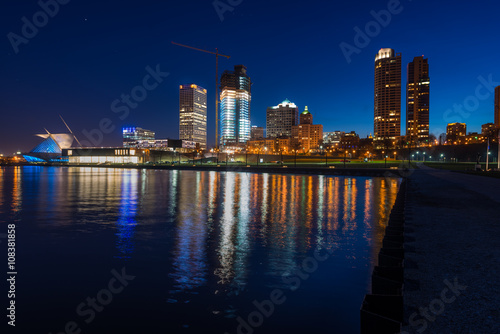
(202, 252)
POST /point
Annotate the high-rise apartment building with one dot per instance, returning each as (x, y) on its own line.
(387, 111)
(193, 114)
(417, 101)
(281, 118)
(235, 106)
(489, 130)
(132, 135)
(455, 131)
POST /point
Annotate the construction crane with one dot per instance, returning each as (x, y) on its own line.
(217, 54)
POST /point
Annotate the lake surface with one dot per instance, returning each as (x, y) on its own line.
(142, 251)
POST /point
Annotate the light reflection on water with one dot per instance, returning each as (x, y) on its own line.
(211, 238)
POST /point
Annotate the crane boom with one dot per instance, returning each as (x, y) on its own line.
(217, 54)
(190, 47)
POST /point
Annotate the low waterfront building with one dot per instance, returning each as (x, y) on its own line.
(102, 155)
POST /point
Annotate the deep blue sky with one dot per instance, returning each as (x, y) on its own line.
(91, 52)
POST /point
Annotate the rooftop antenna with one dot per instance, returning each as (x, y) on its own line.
(62, 119)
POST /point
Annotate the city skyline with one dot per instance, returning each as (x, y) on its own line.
(81, 84)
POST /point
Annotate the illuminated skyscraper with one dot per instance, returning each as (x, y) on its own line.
(387, 118)
(497, 107)
(281, 118)
(193, 114)
(417, 101)
(235, 106)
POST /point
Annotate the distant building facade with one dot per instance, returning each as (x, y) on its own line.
(489, 130)
(306, 136)
(281, 118)
(264, 145)
(387, 111)
(133, 134)
(256, 132)
(235, 101)
(332, 138)
(455, 131)
(193, 114)
(350, 141)
(417, 101)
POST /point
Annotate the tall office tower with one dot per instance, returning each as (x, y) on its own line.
(387, 118)
(417, 101)
(193, 114)
(497, 107)
(281, 118)
(134, 134)
(235, 106)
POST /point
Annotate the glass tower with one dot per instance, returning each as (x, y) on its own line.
(235, 106)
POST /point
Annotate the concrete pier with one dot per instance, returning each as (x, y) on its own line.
(452, 263)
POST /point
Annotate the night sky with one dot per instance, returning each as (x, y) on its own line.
(92, 52)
